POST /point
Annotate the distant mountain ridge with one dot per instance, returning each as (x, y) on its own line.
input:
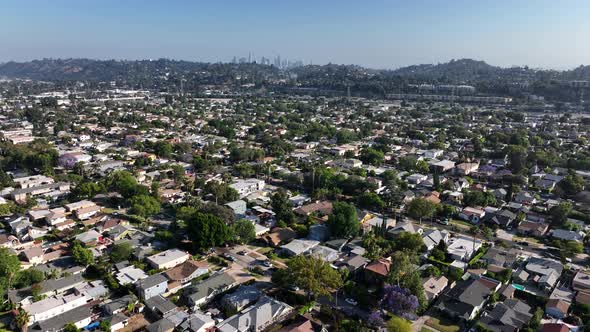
(465, 70)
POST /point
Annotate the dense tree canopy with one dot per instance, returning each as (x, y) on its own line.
(343, 222)
(205, 230)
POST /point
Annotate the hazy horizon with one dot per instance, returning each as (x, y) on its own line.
(379, 34)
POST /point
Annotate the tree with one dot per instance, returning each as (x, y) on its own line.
(436, 181)
(479, 198)
(177, 172)
(121, 252)
(6, 209)
(313, 275)
(406, 241)
(5, 180)
(82, 256)
(163, 149)
(9, 267)
(438, 254)
(36, 290)
(105, 325)
(516, 158)
(420, 208)
(71, 327)
(244, 231)
(22, 319)
(222, 192)
(455, 274)
(343, 222)
(282, 207)
(398, 324)
(87, 190)
(372, 156)
(422, 166)
(144, 205)
(345, 136)
(559, 213)
(375, 320)
(570, 248)
(535, 321)
(205, 230)
(571, 185)
(398, 300)
(125, 183)
(28, 277)
(370, 200)
(408, 163)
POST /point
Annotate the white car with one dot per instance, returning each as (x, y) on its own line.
(351, 301)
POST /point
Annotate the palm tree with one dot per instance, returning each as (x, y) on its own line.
(22, 319)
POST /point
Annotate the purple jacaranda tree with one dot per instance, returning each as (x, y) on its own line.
(375, 319)
(399, 301)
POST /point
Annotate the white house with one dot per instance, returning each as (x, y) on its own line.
(247, 186)
(168, 259)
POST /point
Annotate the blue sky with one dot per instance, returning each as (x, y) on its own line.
(378, 34)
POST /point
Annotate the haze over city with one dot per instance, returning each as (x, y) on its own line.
(377, 34)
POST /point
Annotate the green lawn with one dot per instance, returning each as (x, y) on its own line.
(461, 223)
(442, 324)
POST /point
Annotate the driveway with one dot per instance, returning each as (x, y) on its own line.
(245, 260)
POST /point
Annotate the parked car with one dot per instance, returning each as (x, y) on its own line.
(351, 301)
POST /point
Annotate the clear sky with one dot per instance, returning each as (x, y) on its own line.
(378, 34)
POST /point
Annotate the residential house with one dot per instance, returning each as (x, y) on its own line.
(242, 297)
(321, 208)
(544, 273)
(53, 306)
(119, 304)
(197, 322)
(279, 236)
(130, 275)
(89, 238)
(462, 248)
(205, 290)
(299, 247)
(168, 259)
(557, 308)
(34, 255)
(378, 271)
(248, 186)
(466, 299)
(503, 218)
(152, 286)
(182, 274)
(510, 315)
(433, 286)
(160, 306)
(162, 325)
(257, 317)
(239, 207)
(81, 316)
(472, 214)
(567, 235)
(532, 228)
(432, 237)
(466, 168)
